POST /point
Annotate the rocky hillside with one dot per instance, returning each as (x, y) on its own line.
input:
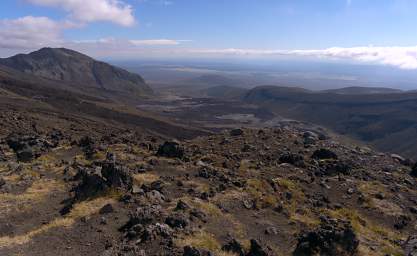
(384, 121)
(248, 192)
(78, 70)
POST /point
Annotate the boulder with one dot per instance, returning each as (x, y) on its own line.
(333, 238)
(234, 247)
(236, 132)
(92, 184)
(117, 175)
(291, 158)
(332, 168)
(324, 154)
(171, 149)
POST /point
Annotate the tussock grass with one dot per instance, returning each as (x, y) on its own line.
(144, 178)
(203, 240)
(80, 210)
(213, 211)
(36, 192)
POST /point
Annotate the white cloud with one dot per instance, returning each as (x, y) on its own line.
(115, 11)
(29, 31)
(401, 57)
(157, 42)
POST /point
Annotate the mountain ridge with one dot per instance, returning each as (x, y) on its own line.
(77, 69)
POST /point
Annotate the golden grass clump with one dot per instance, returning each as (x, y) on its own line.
(144, 178)
(36, 192)
(203, 240)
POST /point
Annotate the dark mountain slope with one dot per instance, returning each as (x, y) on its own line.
(78, 70)
(31, 95)
(383, 120)
(363, 90)
(225, 92)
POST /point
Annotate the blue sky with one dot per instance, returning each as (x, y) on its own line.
(379, 31)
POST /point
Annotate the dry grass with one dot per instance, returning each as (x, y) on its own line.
(296, 201)
(83, 209)
(214, 212)
(35, 194)
(370, 232)
(208, 208)
(203, 240)
(144, 178)
(306, 218)
(38, 191)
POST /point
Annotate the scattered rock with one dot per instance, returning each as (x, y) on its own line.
(256, 249)
(108, 208)
(324, 154)
(410, 246)
(181, 205)
(27, 148)
(248, 204)
(191, 251)
(177, 221)
(234, 247)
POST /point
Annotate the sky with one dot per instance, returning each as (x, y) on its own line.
(381, 32)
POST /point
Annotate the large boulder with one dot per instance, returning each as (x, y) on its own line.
(335, 167)
(117, 175)
(171, 149)
(332, 238)
(97, 180)
(236, 132)
(291, 158)
(323, 153)
(91, 184)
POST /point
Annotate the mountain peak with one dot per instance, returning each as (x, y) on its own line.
(77, 69)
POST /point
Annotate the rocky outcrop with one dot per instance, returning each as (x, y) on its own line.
(332, 238)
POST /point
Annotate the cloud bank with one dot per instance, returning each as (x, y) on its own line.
(401, 57)
(115, 11)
